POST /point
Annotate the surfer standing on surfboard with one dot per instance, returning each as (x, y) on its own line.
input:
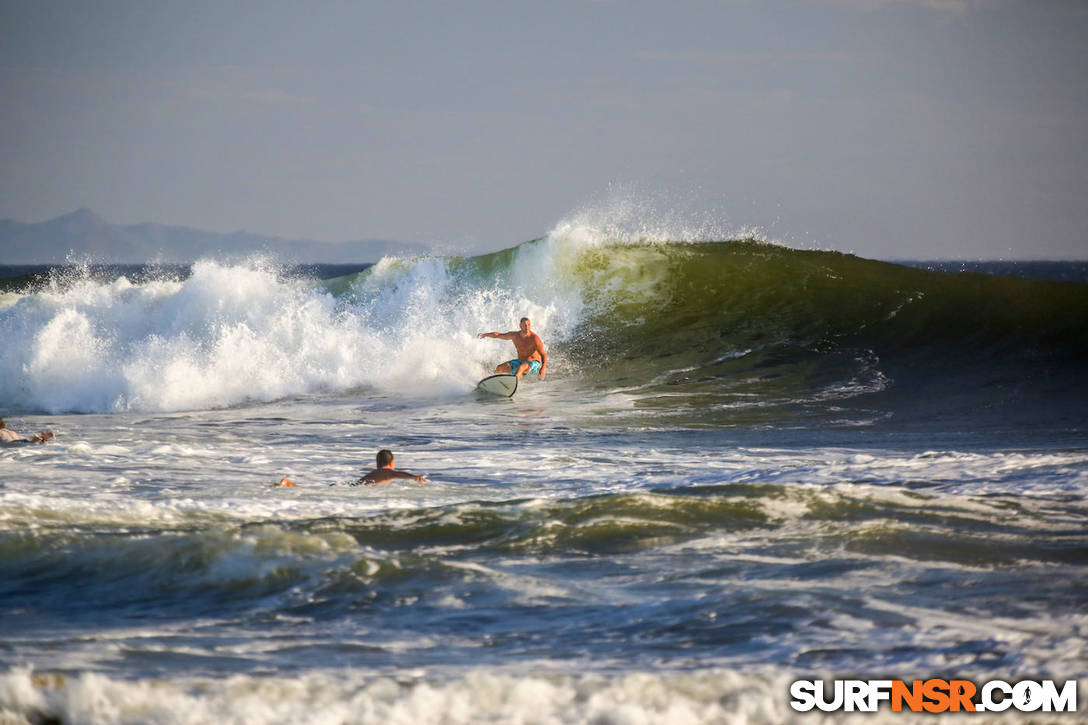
(531, 356)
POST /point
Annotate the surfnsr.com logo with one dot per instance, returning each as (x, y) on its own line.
(934, 695)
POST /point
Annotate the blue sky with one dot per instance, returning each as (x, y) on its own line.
(893, 129)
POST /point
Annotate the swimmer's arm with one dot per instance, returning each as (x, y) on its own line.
(499, 335)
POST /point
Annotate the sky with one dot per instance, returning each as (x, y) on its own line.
(893, 129)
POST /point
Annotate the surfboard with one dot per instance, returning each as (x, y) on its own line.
(503, 384)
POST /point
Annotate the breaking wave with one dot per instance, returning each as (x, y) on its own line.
(679, 323)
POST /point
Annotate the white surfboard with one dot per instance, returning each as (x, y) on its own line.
(503, 384)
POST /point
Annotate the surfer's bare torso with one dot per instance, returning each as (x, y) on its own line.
(528, 345)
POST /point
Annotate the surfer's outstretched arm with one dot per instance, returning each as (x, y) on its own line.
(499, 335)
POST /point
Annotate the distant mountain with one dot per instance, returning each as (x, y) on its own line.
(83, 235)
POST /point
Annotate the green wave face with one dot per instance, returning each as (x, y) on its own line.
(744, 332)
(711, 296)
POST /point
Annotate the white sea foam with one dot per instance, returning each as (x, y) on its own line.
(226, 334)
(237, 332)
(414, 697)
(628, 215)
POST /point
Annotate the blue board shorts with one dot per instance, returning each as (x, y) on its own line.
(534, 366)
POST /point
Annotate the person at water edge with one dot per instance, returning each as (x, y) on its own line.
(386, 471)
(7, 435)
(531, 355)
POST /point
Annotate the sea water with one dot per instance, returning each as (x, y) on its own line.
(747, 465)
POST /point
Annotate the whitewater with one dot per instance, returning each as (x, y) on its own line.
(749, 464)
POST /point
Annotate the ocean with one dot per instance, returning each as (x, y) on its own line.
(748, 465)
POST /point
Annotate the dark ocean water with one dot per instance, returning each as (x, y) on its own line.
(748, 464)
